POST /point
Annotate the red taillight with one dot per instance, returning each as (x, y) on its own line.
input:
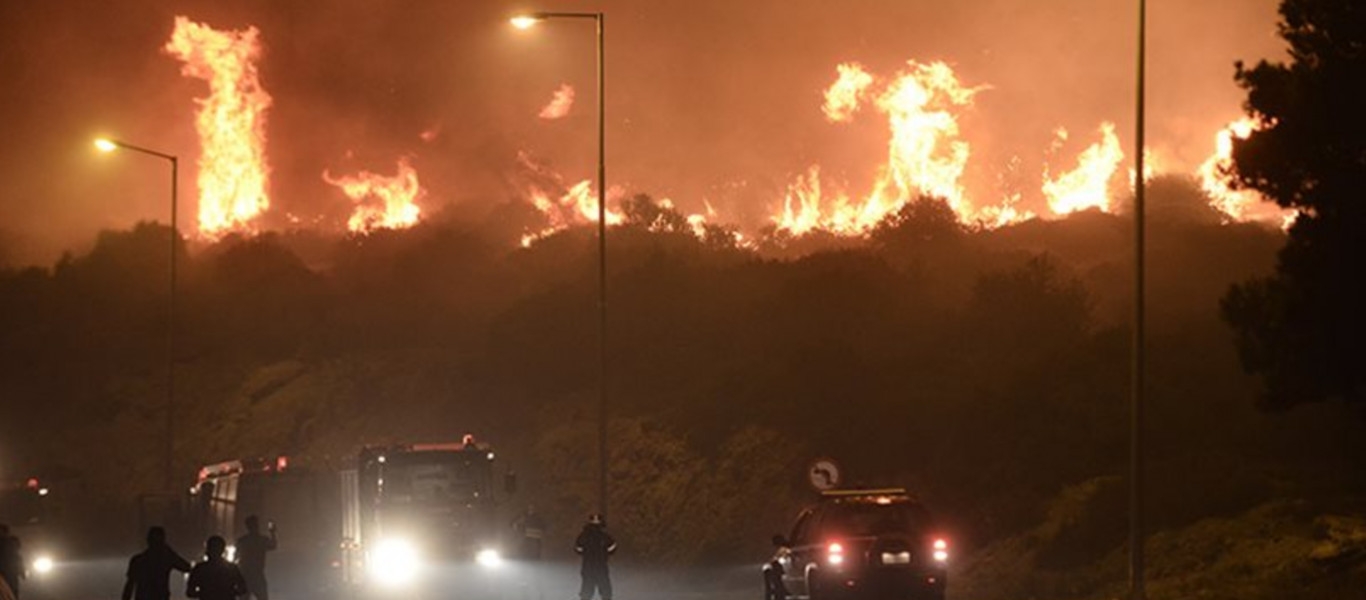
(941, 550)
(281, 463)
(836, 553)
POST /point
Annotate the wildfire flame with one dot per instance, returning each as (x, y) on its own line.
(231, 123)
(560, 104)
(1087, 185)
(925, 154)
(578, 205)
(1215, 180)
(843, 98)
(382, 202)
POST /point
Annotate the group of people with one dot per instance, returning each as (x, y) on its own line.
(214, 578)
(12, 567)
(217, 578)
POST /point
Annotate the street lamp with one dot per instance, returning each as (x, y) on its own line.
(526, 22)
(108, 145)
(1139, 370)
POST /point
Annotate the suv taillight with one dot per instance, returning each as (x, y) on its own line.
(835, 553)
(941, 550)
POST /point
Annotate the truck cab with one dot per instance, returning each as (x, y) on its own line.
(412, 511)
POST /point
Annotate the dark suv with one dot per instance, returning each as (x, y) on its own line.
(860, 544)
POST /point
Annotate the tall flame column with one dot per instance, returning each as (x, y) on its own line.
(526, 22)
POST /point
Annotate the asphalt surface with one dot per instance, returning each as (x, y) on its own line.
(103, 580)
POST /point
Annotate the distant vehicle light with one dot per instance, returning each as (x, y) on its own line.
(43, 565)
(884, 500)
(393, 562)
(488, 558)
(941, 550)
(941, 556)
(42, 491)
(941, 544)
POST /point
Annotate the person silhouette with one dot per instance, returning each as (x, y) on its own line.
(12, 569)
(595, 545)
(251, 556)
(215, 578)
(150, 570)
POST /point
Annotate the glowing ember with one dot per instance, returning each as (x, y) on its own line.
(381, 202)
(1088, 185)
(233, 176)
(560, 104)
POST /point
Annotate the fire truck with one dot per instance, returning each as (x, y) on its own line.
(33, 509)
(421, 513)
(300, 499)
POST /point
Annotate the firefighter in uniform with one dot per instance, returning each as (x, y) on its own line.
(595, 545)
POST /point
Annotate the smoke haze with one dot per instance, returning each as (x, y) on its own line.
(707, 101)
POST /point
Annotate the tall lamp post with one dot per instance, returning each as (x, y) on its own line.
(526, 22)
(108, 145)
(1136, 525)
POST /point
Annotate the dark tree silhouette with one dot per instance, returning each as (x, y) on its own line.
(1303, 328)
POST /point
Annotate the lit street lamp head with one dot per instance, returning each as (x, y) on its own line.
(524, 21)
(105, 145)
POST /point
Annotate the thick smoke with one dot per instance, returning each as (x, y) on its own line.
(707, 101)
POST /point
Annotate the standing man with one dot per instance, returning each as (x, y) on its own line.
(530, 529)
(149, 571)
(595, 545)
(251, 556)
(215, 578)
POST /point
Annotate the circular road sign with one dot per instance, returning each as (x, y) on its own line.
(823, 474)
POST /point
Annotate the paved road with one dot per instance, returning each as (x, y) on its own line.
(103, 580)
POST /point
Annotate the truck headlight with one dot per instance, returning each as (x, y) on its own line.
(43, 565)
(489, 558)
(393, 562)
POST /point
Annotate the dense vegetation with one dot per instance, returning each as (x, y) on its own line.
(986, 370)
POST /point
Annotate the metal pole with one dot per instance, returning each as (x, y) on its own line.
(170, 332)
(602, 273)
(1136, 533)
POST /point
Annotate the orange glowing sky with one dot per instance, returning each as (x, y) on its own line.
(710, 101)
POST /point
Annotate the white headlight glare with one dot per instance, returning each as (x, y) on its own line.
(393, 562)
(43, 565)
(488, 557)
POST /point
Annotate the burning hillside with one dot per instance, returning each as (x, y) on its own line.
(927, 155)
